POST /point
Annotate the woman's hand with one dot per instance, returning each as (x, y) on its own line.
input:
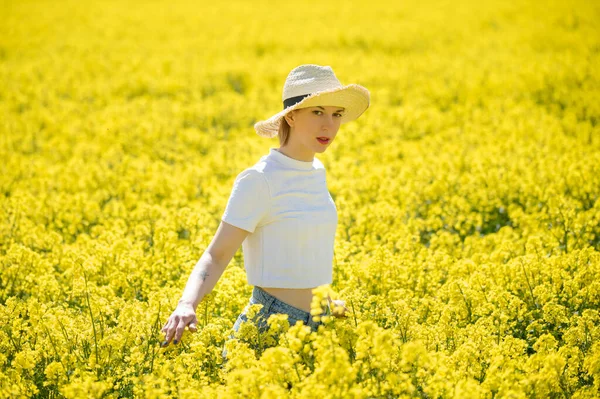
(336, 304)
(184, 315)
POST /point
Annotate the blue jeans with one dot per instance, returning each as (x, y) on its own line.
(272, 305)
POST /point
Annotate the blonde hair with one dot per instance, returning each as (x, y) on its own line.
(284, 131)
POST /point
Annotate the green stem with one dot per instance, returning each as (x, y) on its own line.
(87, 298)
(353, 313)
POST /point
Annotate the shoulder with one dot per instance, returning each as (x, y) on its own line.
(266, 169)
(251, 174)
(254, 178)
(258, 171)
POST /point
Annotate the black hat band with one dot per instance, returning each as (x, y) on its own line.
(293, 100)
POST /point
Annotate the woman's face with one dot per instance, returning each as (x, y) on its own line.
(310, 124)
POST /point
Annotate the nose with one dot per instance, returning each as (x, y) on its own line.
(328, 124)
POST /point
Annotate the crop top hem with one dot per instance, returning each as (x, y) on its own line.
(286, 284)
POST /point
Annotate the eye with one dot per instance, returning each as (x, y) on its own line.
(339, 115)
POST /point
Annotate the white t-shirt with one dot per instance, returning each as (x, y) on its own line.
(285, 204)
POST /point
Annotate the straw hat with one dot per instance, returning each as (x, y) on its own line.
(311, 85)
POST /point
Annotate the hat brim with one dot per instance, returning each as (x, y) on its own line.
(355, 99)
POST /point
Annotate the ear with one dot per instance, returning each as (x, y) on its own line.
(289, 117)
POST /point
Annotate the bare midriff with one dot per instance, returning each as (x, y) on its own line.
(297, 297)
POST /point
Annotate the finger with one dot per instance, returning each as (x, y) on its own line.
(170, 333)
(166, 326)
(179, 331)
(193, 324)
(165, 330)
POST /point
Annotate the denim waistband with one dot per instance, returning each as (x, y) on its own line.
(266, 299)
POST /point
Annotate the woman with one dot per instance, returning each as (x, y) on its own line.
(280, 209)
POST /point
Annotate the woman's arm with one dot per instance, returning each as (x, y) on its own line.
(202, 280)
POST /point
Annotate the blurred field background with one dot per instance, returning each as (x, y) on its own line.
(468, 196)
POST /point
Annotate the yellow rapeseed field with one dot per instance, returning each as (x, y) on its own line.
(468, 196)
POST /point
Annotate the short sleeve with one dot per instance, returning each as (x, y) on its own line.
(249, 201)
